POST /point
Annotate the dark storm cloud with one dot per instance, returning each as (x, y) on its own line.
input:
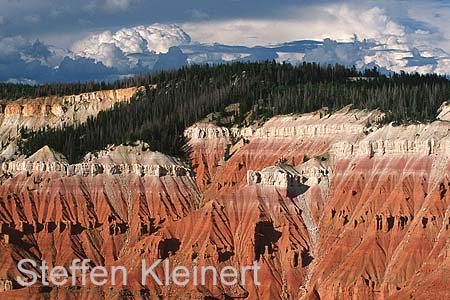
(21, 60)
(44, 18)
(61, 22)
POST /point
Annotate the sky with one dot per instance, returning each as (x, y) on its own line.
(54, 38)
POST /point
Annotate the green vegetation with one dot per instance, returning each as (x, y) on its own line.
(12, 91)
(159, 115)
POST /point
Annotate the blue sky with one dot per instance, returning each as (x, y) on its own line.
(66, 26)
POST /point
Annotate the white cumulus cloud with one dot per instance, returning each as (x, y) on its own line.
(336, 21)
(113, 48)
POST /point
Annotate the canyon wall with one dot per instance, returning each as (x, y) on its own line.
(330, 206)
(108, 162)
(54, 111)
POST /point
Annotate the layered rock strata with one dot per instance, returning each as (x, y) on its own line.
(370, 221)
(55, 111)
(110, 162)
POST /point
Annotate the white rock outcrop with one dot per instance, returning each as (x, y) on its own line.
(444, 112)
(418, 139)
(314, 171)
(348, 132)
(120, 160)
(283, 176)
(345, 122)
(56, 111)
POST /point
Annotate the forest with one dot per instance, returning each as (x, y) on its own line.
(174, 100)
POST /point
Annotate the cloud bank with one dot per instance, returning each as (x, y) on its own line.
(360, 35)
(34, 62)
(340, 22)
(131, 47)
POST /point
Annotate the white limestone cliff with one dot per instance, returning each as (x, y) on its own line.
(444, 112)
(55, 111)
(286, 176)
(344, 122)
(283, 176)
(348, 132)
(389, 140)
(120, 160)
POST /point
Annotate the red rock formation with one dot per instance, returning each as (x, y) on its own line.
(360, 224)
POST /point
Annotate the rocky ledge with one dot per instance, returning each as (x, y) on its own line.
(120, 160)
(55, 111)
(290, 177)
(345, 122)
